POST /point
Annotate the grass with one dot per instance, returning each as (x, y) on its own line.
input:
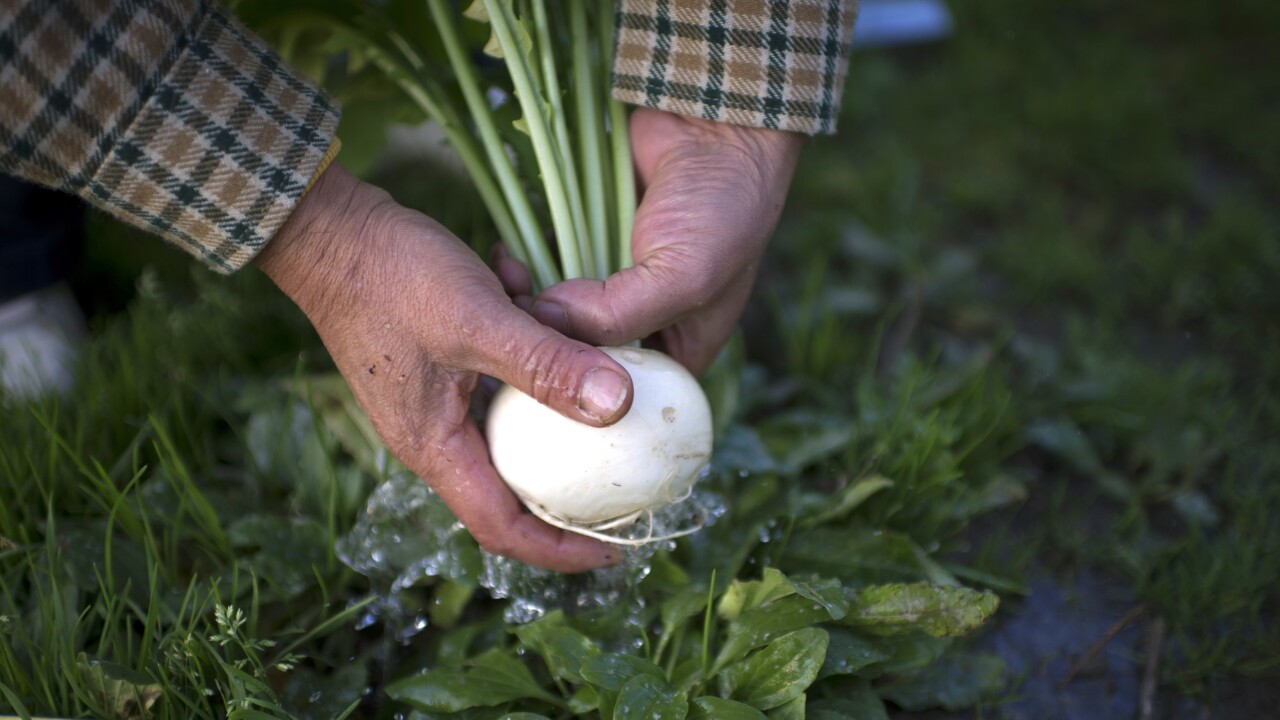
(1090, 187)
(1029, 284)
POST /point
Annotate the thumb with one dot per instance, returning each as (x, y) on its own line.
(573, 378)
(630, 305)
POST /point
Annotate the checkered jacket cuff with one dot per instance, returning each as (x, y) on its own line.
(166, 113)
(762, 63)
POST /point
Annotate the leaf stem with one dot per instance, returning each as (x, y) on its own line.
(564, 147)
(624, 179)
(535, 253)
(430, 101)
(531, 103)
(590, 137)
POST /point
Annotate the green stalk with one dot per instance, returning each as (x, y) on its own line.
(432, 104)
(624, 179)
(534, 255)
(503, 21)
(569, 168)
(590, 137)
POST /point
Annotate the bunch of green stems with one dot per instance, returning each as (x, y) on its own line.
(578, 132)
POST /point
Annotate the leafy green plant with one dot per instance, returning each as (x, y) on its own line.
(1076, 326)
(559, 158)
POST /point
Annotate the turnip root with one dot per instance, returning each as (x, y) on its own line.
(594, 480)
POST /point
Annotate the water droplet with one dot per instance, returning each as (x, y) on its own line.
(315, 697)
(407, 534)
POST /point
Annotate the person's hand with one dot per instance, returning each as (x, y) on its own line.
(411, 316)
(711, 194)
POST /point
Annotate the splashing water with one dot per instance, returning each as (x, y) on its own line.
(407, 534)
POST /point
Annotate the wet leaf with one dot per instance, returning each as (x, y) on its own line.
(564, 649)
(793, 710)
(312, 696)
(612, 671)
(449, 601)
(445, 690)
(584, 700)
(751, 594)
(828, 593)
(645, 697)
(860, 703)
(906, 652)
(954, 683)
(764, 624)
(940, 611)
(455, 645)
(675, 610)
(780, 672)
(476, 713)
(494, 678)
(501, 670)
(849, 652)
(860, 555)
(714, 708)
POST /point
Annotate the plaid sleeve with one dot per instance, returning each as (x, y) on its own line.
(168, 114)
(762, 63)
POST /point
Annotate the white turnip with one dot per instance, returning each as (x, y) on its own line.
(594, 480)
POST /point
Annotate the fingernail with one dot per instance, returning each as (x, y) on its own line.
(551, 315)
(603, 393)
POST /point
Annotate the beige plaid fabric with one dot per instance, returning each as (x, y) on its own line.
(173, 117)
(762, 63)
(165, 113)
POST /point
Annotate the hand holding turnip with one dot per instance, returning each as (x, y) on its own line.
(411, 317)
(711, 197)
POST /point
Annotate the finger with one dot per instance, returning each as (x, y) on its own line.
(569, 376)
(513, 274)
(460, 472)
(628, 305)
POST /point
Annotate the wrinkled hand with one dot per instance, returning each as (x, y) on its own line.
(711, 194)
(411, 316)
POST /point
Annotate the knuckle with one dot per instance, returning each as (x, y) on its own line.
(549, 368)
(611, 331)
